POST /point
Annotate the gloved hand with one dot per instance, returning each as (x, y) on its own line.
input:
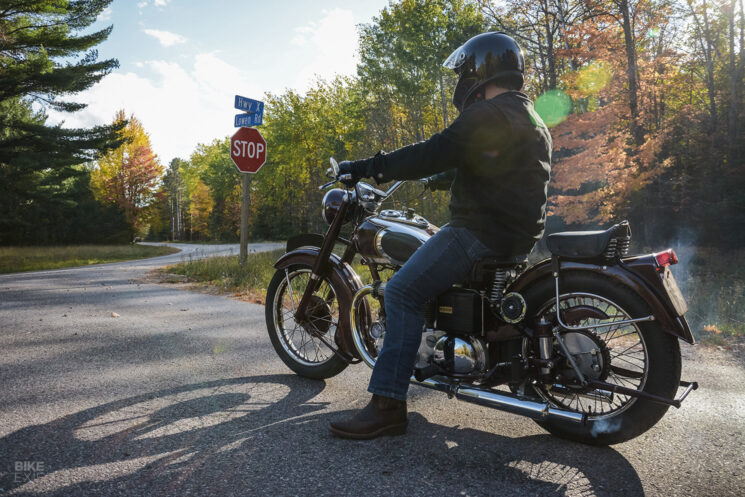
(347, 174)
(428, 183)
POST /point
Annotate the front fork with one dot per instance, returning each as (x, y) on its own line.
(321, 264)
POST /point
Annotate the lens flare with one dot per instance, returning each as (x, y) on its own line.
(553, 107)
(593, 77)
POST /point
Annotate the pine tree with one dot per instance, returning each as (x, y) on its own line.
(43, 57)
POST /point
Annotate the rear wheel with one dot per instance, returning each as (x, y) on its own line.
(303, 345)
(640, 356)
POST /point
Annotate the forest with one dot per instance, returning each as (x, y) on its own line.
(644, 99)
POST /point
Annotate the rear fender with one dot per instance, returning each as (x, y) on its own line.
(345, 282)
(632, 275)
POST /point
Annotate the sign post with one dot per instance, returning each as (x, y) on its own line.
(248, 152)
(245, 201)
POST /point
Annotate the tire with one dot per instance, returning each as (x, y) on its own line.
(300, 350)
(659, 375)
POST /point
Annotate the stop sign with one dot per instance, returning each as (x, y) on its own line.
(248, 150)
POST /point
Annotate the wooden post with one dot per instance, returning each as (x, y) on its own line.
(244, 220)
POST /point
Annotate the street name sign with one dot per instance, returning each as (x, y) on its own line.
(248, 120)
(248, 150)
(249, 105)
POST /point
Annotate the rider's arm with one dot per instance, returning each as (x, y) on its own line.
(470, 133)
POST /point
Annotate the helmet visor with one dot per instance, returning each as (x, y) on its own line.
(456, 59)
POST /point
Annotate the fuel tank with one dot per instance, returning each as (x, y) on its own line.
(392, 236)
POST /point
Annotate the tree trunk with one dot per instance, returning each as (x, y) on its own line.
(550, 56)
(707, 48)
(629, 44)
(709, 53)
(443, 99)
(732, 114)
(741, 72)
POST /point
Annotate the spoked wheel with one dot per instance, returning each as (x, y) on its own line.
(303, 344)
(640, 356)
(621, 357)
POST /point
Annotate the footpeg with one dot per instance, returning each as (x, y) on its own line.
(422, 374)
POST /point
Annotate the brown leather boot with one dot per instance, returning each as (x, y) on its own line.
(382, 416)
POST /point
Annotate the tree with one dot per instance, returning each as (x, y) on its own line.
(130, 175)
(220, 175)
(402, 52)
(175, 191)
(43, 57)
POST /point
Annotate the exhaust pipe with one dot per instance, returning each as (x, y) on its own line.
(503, 401)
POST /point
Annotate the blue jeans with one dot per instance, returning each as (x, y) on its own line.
(445, 259)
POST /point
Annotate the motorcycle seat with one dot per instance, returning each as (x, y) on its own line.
(585, 244)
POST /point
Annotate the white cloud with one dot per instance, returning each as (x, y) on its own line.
(166, 38)
(105, 14)
(179, 107)
(333, 41)
(161, 3)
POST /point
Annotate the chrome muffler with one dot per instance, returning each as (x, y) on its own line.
(503, 401)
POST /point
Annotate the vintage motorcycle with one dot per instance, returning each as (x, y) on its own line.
(584, 342)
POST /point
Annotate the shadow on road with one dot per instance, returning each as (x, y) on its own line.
(265, 435)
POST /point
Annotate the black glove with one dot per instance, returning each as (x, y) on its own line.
(349, 175)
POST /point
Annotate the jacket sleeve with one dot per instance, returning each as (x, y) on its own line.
(442, 151)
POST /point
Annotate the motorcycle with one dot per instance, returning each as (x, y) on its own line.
(586, 342)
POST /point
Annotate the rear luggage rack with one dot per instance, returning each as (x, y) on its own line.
(612, 387)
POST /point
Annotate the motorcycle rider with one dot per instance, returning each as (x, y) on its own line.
(497, 156)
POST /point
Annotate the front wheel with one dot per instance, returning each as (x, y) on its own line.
(302, 344)
(639, 356)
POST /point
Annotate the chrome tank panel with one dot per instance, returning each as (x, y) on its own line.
(387, 241)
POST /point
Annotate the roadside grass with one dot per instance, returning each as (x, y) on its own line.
(225, 274)
(18, 259)
(712, 282)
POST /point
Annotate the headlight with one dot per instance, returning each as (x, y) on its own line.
(331, 204)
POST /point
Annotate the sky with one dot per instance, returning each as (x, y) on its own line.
(183, 61)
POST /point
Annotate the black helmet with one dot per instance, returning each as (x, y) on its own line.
(488, 57)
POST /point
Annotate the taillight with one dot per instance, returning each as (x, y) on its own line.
(666, 258)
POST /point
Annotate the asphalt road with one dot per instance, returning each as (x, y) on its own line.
(182, 394)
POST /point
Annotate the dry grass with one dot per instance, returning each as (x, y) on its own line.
(713, 283)
(17, 259)
(226, 275)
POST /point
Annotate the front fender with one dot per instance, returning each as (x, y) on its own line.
(304, 240)
(343, 279)
(622, 275)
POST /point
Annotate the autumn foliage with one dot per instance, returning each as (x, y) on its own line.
(130, 176)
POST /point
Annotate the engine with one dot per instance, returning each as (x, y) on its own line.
(452, 354)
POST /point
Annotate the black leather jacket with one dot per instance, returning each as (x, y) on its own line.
(499, 152)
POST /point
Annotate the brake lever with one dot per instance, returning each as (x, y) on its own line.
(323, 187)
